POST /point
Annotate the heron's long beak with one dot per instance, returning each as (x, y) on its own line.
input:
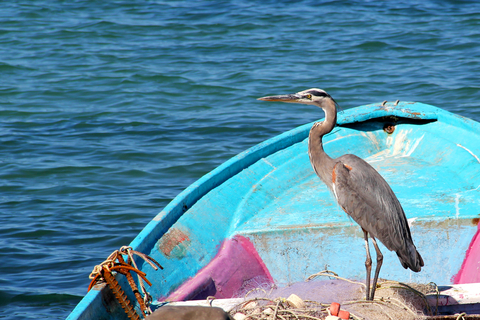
(283, 98)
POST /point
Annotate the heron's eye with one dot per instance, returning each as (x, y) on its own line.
(309, 96)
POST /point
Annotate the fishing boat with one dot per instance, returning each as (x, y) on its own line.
(264, 217)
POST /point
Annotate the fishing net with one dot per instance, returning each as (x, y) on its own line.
(313, 299)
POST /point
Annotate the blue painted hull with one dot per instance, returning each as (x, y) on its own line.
(270, 196)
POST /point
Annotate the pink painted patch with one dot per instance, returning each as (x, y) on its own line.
(469, 272)
(236, 265)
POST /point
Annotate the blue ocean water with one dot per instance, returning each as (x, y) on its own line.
(110, 108)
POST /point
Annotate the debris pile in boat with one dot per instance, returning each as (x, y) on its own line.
(394, 300)
(315, 300)
(280, 308)
(334, 298)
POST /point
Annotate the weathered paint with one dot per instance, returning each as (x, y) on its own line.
(470, 270)
(173, 241)
(237, 267)
(270, 195)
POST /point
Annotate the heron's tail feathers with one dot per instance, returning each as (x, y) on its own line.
(411, 259)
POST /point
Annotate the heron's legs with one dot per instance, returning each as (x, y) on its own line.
(377, 268)
(368, 265)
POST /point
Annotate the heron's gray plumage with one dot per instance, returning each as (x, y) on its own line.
(358, 188)
(368, 199)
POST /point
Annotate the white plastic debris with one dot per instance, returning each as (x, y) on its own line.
(295, 301)
(239, 316)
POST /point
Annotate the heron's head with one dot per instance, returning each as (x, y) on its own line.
(312, 96)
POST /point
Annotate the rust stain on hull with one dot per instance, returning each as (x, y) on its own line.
(172, 239)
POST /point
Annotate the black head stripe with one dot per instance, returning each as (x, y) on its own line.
(318, 93)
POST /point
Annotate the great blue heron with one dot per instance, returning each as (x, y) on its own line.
(359, 190)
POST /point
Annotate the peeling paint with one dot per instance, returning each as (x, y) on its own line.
(174, 243)
(373, 138)
(415, 145)
(399, 145)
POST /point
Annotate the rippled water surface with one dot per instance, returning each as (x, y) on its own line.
(110, 108)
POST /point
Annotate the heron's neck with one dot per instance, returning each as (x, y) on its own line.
(321, 162)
